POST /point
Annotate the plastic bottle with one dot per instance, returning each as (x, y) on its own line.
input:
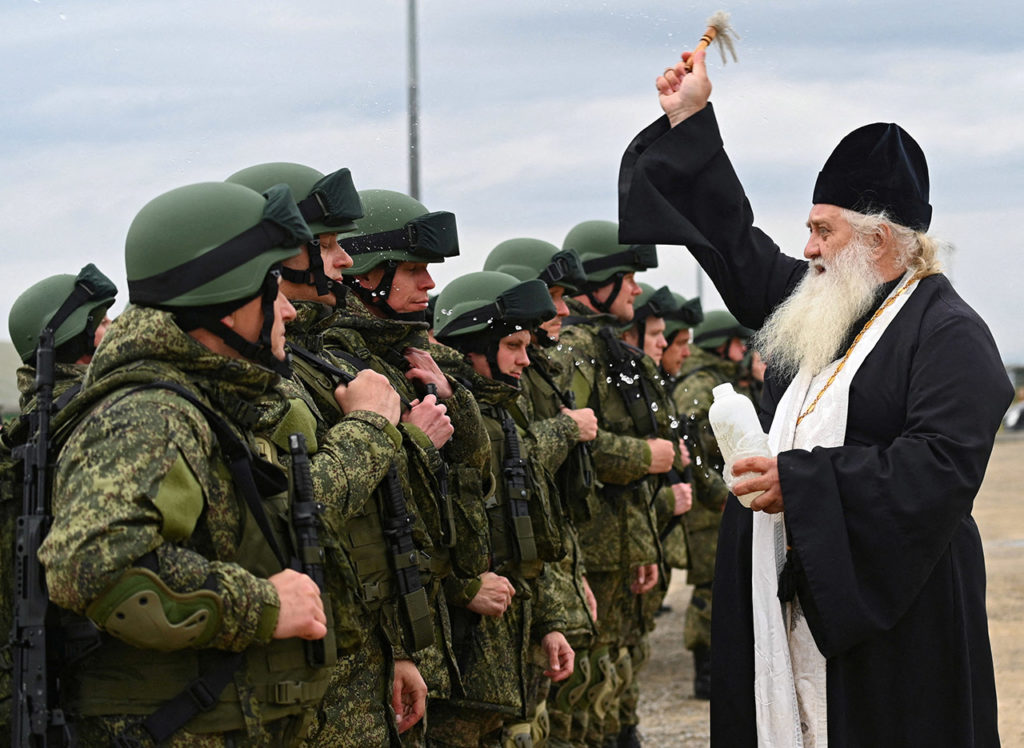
(738, 432)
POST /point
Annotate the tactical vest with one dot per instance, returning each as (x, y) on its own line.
(524, 527)
(366, 541)
(265, 682)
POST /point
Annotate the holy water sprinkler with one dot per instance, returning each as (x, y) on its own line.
(719, 30)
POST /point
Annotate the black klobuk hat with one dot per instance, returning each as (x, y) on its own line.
(876, 168)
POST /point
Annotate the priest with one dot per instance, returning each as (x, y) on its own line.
(850, 597)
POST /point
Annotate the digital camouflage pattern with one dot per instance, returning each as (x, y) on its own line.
(563, 580)
(701, 372)
(622, 532)
(381, 343)
(165, 489)
(357, 709)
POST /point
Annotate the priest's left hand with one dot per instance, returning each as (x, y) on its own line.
(770, 501)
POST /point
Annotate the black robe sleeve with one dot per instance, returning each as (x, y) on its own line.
(677, 186)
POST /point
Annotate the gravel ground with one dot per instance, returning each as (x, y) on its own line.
(671, 718)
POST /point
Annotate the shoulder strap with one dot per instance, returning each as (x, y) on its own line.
(238, 456)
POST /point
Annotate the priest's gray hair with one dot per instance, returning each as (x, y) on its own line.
(915, 250)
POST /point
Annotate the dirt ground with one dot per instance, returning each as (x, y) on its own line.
(671, 718)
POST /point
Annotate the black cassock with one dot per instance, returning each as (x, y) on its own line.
(889, 564)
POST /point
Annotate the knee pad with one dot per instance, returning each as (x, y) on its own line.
(517, 735)
(541, 728)
(601, 693)
(574, 688)
(624, 670)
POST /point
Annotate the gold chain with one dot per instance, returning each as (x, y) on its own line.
(841, 364)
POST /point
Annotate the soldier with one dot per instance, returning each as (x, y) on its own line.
(75, 340)
(378, 680)
(548, 411)
(672, 491)
(168, 533)
(620, 542)
(488, 317)
(383, 327)
(721, 344)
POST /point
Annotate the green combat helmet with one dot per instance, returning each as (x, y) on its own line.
(474, 312)
(329, 204)
(605, 260)
(203, 250)
(37, 306)
(688, 314)
(651, 303)
(527, 259)
(395, 228)
(717, 329)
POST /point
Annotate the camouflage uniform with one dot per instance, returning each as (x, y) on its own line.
(621, 534)
(700, 373)
(356, 710)
(502, 662)
(456, 562)
(142, 477)
(570, 480)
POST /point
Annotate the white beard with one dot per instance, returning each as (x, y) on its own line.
(808, 327)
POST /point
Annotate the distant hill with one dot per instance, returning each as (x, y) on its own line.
(9, 363)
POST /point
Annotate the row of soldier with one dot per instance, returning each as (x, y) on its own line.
(475, 547)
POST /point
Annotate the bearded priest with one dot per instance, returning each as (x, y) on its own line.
(850, 603)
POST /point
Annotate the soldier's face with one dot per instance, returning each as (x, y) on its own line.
(622, 306)
(334, 259)
(409, 288)
(676, 353)
(247, 321)
(511, 359)
(654, 338)
(553, 327)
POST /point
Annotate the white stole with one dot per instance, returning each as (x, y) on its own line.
(789, 671)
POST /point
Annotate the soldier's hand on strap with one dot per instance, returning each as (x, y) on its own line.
(425, 369)
(302, 611)
(369, 391)
(586, 422)
(408, 694)
(683, 494)
(662, 456)
(431, 417)
(493, 597)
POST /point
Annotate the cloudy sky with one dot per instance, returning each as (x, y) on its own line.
(526, 108)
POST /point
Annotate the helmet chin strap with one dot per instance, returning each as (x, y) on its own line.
(261, 351)
(378, 297)
(605, 306)
(314, 274)
(491, 354)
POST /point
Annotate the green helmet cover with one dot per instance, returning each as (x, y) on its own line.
(398, 228)
(527, 259)
(210, 243)
(35, 308)
(717, 328)
(597, 244)
(688, 314)
(329, 204)
(653, 303)
(497, 303)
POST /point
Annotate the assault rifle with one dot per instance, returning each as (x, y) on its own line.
(414, 609)
(37, 718)
(518, 489)
(306, 522)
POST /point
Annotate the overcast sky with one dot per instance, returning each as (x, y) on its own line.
(526, 108)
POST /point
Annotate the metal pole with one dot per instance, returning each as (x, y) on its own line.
(700, 284)
(414, 124)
